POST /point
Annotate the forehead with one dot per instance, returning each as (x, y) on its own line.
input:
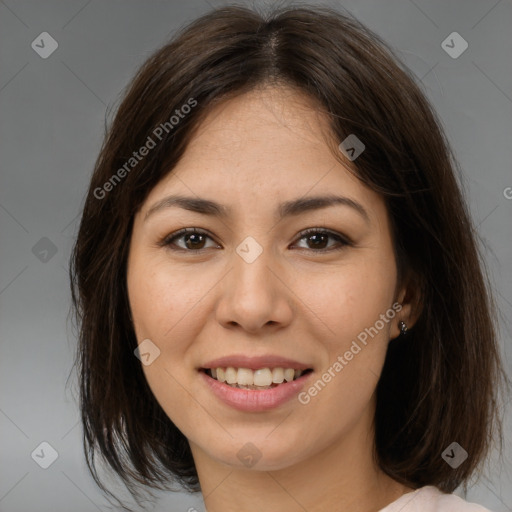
(273, 121)
(271, 137)
(262, 148)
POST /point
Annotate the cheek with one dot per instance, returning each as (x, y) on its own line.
(350, 302)
(351, 299)
(165, 306)
(163, 299)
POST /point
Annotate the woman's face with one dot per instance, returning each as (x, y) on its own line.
(251, 290)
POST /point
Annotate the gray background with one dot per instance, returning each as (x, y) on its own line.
(52, 121)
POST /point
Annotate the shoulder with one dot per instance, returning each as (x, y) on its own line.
(431, 499)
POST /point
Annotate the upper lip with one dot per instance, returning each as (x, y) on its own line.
(255, 363)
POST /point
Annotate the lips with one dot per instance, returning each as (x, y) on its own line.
(254, 384)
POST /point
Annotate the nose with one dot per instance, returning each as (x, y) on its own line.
(254, 295)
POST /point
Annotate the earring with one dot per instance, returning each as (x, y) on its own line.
(402, 327)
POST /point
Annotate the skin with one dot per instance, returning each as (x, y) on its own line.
(250, 154)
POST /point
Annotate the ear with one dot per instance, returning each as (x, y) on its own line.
(409, 296)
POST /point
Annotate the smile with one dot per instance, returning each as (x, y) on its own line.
(263, 378)
(263, 394)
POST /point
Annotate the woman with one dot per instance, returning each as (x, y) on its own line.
(280, 298)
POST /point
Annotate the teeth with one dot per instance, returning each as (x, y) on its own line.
(262, 377)
(249, 379)
(245, 377)
(231, 375)
(289, 374)
(278, 375)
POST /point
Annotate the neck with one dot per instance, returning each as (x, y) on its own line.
(343, 476)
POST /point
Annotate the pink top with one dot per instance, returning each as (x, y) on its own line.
(431, 499)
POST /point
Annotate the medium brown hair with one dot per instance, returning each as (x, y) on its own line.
(439, 383)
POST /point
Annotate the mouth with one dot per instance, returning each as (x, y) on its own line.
(255, 390)
(258, 379)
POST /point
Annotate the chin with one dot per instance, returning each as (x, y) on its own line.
(260, 454)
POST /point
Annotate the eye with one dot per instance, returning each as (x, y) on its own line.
(318, 240)
(193, 239)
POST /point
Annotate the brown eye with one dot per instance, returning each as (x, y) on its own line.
(318, 240)
(188, 239)
(194, 240)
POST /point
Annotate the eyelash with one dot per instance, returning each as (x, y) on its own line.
(169, 240)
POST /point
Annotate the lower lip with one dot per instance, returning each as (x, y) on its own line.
(256, 400)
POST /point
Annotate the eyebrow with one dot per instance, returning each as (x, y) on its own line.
(286, 209)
